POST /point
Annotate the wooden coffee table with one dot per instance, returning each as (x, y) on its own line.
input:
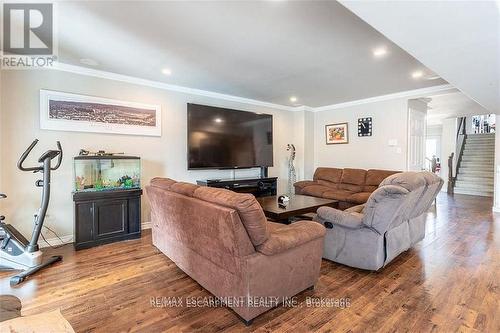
(298, 205)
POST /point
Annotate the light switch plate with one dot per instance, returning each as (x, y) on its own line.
(392, 142)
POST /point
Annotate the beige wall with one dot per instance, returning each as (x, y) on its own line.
(389, 123)
(166, 155)
(161, 156)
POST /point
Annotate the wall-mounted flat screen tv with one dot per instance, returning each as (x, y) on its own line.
(220, 138)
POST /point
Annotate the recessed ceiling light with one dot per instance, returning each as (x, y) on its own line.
(417, 74)
(166, 71)
(293, 99)
(379, 52)
(89, 62)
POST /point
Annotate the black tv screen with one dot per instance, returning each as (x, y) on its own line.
(221, 138)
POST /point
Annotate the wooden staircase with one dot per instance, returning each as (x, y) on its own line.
(476, 167)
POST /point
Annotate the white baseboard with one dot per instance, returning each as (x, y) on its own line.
(68, 239)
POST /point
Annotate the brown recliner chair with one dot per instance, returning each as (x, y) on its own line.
(223, 241)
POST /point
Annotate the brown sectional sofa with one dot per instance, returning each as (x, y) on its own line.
(350, 187)
(223, 240)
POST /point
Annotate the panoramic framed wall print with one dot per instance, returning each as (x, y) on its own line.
(62, 111)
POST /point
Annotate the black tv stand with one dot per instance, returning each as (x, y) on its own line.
(259, 186)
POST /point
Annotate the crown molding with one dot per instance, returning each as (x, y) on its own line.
(165, 86)
(198, 92)
(402, 94)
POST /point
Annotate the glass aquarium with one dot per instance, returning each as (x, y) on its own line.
(106, 173)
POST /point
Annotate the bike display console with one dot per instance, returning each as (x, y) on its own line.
(259, 187)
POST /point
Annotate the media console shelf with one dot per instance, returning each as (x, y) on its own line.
(260, 187)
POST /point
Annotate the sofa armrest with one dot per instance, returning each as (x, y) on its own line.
(303, 183)
(291, 236)
(351, 220)
(355, 209)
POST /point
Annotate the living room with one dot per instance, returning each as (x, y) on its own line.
(336, 85)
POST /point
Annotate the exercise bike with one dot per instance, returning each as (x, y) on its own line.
(16, 252)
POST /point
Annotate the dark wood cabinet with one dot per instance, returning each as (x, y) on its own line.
(107, 216)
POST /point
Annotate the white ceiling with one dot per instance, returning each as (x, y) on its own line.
(459, 40)
(452, 105)
(264, 50)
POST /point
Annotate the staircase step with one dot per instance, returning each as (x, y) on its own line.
(475, 172)
(462, 174)
(480, 143)
(476, 162)
(478, 159)
(475, 179)
(472, 165)
(478, 155)
(473, 192)
(479, 152)
(479, 147)
(481, 137)
(475, 185)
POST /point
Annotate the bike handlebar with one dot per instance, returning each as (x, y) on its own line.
(59, 160)
(38, 168)
(25, 155)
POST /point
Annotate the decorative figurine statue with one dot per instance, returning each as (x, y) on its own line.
(292, 177)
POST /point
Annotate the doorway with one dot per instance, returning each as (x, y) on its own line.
(417, 113)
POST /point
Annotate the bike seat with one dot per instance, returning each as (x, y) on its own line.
(49, 154)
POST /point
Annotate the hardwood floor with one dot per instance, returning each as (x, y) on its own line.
(448, 282)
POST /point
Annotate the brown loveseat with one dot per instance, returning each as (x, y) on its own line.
(350, 187)
(223, 241)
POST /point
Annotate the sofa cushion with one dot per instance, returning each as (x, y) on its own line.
(282, 239)
(359, 198)
(351, 187)
(369, 188)
(327, 183)
(250, 212)
(353, 176)
(163, 183)
(384, 206)
(329, 174)
(340, 195)
(184, 188)
(315, 190)
(374, 177)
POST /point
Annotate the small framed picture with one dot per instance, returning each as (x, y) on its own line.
(337, 133)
